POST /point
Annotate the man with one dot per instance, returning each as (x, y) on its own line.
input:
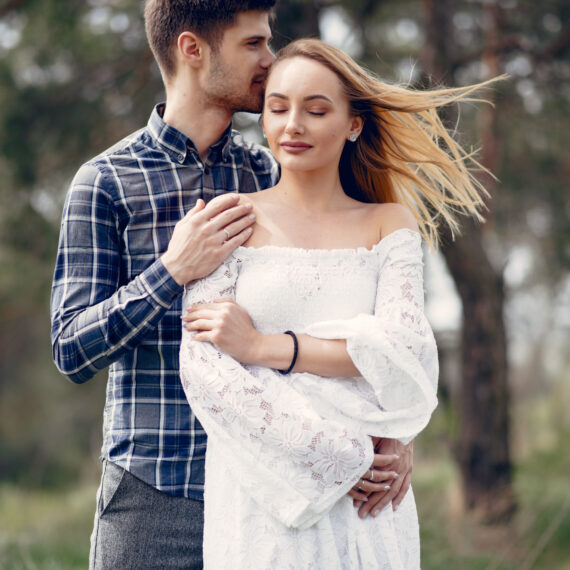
(139, 223)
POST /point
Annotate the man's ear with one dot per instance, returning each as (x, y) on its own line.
(191, 49)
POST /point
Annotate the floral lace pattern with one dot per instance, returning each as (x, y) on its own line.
(284, 450)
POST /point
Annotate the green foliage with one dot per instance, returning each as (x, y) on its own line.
(81, 76)
(47, 531)
(50, 530)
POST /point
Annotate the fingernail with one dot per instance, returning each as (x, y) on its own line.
(252, 216)
(249, 205)
(375, 512)
(387, 487)
(396, 475)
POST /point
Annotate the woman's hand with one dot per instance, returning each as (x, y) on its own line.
(377, 480)
(225, 324)
(398, 459)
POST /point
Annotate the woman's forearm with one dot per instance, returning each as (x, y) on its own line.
(317, 356)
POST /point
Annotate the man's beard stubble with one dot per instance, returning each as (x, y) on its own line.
(221, 91)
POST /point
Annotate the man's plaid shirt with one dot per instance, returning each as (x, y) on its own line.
(114, 304)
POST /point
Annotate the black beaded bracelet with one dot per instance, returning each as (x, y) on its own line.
(295, 352)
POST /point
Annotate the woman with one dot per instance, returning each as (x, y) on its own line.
(312, 340)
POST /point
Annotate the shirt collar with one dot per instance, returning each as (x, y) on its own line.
(177, 144)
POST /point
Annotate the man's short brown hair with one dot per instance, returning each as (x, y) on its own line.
(165, 20)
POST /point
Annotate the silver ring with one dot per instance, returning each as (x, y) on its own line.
(227, 233)
(372, 475)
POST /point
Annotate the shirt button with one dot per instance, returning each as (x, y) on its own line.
(181, 157)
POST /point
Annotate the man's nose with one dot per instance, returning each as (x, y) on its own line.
(267, 58)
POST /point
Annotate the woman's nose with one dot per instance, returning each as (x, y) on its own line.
(294, 125)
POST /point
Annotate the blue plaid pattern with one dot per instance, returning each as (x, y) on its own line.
(115, 305)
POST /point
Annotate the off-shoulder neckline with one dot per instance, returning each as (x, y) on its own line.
(352, 250)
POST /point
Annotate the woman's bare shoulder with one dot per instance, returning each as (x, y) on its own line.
(256, 197)
(392, 216)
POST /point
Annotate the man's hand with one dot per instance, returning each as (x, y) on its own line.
(399, 486)
(205, 236)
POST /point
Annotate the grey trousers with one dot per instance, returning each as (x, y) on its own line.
(138, 527)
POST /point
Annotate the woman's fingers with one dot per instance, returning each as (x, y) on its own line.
(201, 325)
(197, 316)
(366, 486)
(377, 476)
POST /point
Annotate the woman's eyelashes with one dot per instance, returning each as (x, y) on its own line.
(313, 112)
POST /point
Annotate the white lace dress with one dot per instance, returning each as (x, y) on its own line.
(283, 451)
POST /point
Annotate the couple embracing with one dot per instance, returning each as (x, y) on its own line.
(271, 300)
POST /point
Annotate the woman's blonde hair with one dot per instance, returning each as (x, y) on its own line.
(404, 153)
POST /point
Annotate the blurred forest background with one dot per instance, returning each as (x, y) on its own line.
(491, 471)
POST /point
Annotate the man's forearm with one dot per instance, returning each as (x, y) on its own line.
(90, 338)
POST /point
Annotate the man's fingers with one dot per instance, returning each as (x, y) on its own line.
(381, 460)
(228, 246)
(237, 213)
(358, 495)
(375, 504)
(222, 210)
(219, 204)
(198, 207)
(401, 493)
(233, 228)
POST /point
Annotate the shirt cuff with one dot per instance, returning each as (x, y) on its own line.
(160, 285)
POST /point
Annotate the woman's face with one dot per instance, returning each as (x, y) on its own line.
(306, 116)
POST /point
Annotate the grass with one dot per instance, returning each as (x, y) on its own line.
(50, 531)
(41, 530)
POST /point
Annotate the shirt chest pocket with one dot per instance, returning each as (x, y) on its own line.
(146, 237)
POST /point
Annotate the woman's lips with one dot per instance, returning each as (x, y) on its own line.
(295, 147)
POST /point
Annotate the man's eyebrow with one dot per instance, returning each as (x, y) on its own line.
(258, 38)
(308, 98)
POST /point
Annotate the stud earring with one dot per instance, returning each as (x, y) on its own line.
(352, 137)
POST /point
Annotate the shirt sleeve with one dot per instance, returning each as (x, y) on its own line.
(298, 464)
(394, 349)
(95, 319)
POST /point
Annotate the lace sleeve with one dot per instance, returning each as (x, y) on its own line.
(394, 350)
(298, 464)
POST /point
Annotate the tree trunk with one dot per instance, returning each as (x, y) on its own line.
(483, 446)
